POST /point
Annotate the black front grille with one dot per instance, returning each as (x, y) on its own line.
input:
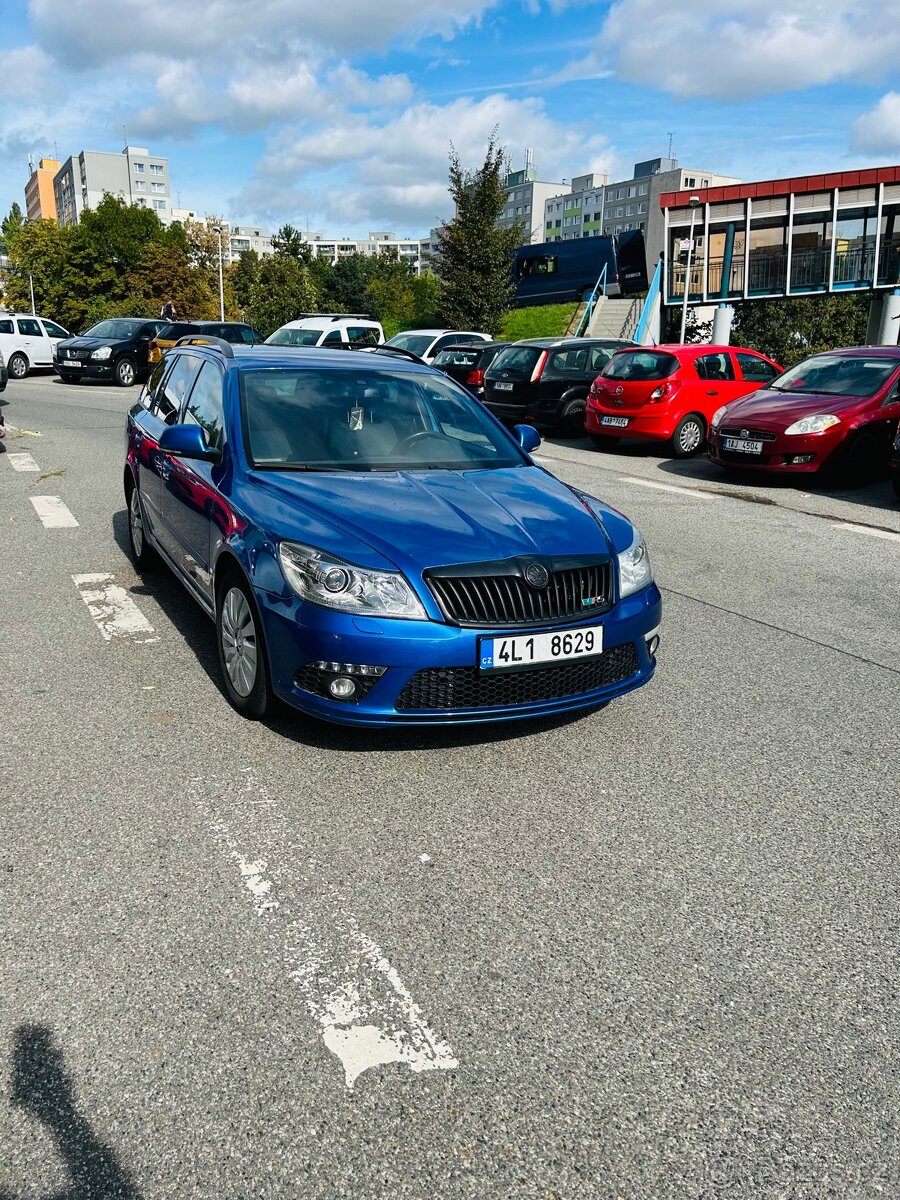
(754, 435)
(467, 687)
(502, 597)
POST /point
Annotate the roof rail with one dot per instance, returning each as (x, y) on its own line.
(216, 343)
(393, 351)
(334, 316)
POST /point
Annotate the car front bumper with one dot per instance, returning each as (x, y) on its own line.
(798, 454)
(94, 370)
(432, 674)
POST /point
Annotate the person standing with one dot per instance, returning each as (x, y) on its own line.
(167, 312)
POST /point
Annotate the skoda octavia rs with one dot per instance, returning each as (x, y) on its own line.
(374, 547)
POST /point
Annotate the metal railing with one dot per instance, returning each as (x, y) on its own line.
(592, 299)
(651, 300)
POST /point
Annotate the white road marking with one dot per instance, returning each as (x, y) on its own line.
(365, 1014)
(869, 532)
(667, 487)
(113, 610)
(22, 462)
(53, 513)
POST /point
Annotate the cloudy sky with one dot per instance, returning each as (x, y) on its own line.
(338, 117)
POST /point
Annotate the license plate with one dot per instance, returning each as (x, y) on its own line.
(619, 422)
(503, 387)
(69, 362)
(515, 653)
(743, 446)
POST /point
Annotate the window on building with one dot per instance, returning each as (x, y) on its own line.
(642, 208)
(620, 212)
(642, 226)
(704, 183)
(632, 191)
(642, 190)
(158, 187)
(139, 185)
(156, 169)
(138, 168)
(620, 194)
(690, 181)
(159, 205)
(557, 223)
(629, 211)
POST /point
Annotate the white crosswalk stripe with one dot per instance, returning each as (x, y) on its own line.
(54, 514)
(115, 613)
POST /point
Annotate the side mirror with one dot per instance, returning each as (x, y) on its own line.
(527, 437)
(187, 441)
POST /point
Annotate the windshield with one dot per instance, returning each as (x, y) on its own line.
(358, 420)
(520, 359)
(416, 343)
(640, 364)
(114, 330)
(838, 375)
(294, 337)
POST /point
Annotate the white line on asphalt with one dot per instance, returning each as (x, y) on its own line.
(869, 532)
(22, 462)
(365, 1014)
(113, 610)
(53, 513)
(667, 487)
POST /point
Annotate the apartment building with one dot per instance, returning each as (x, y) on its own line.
(135, 175)
(593, 205)
(407, 249)
(40, 198)
(526, 200)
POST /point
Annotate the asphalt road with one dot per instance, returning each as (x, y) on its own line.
(647, 953)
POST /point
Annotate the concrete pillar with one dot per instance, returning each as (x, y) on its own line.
(889, 330)
(876, 308)
(721, 330)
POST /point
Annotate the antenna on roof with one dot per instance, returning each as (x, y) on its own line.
(671, 135)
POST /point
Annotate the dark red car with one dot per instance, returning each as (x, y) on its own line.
(669, 393)
(836, 413)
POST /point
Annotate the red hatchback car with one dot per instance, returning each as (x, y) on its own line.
(836, 413)
(669, 393)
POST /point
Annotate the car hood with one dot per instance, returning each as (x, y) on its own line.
(783, 408)
(90, 343)
(420, 519)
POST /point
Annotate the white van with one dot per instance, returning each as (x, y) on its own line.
(335, 330)
(28, 341)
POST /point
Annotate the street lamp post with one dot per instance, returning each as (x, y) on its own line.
(694, 203)
(217, 229)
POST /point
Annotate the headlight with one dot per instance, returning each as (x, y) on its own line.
(817, 424)
(717, 416)
(102, 352)
(634, 567)
(333, 583)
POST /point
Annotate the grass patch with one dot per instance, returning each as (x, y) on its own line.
(541, 320)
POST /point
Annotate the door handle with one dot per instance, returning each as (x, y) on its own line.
(712, 393)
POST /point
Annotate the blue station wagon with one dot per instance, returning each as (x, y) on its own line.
(374, 547)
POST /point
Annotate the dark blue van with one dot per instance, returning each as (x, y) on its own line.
(556, 272)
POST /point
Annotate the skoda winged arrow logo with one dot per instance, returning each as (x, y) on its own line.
(537, 575)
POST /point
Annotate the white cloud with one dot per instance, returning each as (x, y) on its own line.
(735, 49)
(878, 131)
(25, 72)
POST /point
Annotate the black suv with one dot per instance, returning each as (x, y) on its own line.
(467, 363)
(113, 349)
(545, 381)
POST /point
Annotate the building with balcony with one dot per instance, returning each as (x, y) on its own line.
(784, 237)
(40, 198)
(407, 249)
(134, 175)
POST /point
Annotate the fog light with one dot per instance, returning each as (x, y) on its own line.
(342, 688)
(652, 638)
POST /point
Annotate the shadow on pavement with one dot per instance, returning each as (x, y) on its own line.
(199, 636)
(42, 1088)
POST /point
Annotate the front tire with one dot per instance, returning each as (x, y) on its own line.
(18, 366)
(571, 422)
(242, 652)
(125, 372)
(858, 463)
(689, 436)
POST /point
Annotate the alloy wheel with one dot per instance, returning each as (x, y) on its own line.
(18, 366)
(136, 523)
(239, 642)
(690, 437)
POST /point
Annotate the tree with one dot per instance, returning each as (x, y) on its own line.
(283, 288)
(165, 273)
(289, 241)
(789, 330)
(242, 276)
(474, 255)
(203, 242)
(42, 250)
(10, 226)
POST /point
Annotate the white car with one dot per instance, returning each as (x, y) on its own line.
(335, 330)
(427, 343)
(28, 341)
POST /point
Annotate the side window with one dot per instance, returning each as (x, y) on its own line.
(332, 338)
(567, 364)
(360, 335)
(449, 339)
(204, 406)
(54, 330)
(167, 402)
(755, 368)
(600, 356)
(245, 333)
(153, 383)
(149, 331)
(29, 327)
(714, 366)
(6, 326)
